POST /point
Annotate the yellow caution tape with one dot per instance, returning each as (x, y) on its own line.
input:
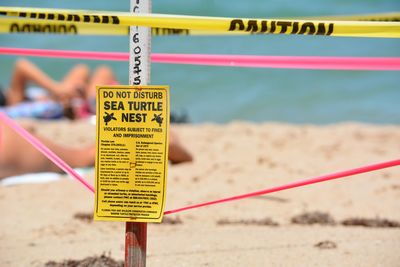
(384, 17)
(24, 25)
(215, 24)
(10, 25)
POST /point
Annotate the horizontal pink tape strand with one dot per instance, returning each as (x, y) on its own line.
(291, 62)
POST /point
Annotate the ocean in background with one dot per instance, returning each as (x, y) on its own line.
(223, 94)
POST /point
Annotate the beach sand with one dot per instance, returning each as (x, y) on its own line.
(47, 222)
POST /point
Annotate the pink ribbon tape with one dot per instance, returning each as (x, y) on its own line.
(44, 150)
(305, 182)
(60, 163)
(292, 62)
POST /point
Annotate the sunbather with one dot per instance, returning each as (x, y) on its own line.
(17, 156)
(72, 97)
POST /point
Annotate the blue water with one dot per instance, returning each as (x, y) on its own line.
(223, 94)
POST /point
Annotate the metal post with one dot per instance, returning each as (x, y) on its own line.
(135, 244)
(139, 74)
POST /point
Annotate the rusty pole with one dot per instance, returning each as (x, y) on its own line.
(135, 244)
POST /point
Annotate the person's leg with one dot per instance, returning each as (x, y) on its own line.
(17, 156)
(74, 83)
(23, 73)
(77, 79)
(103, 75)
(176, 152)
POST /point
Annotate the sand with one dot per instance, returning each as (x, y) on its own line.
(44, 222)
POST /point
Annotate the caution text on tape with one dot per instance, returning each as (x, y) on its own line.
(253, 26)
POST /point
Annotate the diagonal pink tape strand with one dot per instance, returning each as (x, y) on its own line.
(305, 182)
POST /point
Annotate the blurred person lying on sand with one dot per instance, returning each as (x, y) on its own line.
(73, 97)
(17, 156)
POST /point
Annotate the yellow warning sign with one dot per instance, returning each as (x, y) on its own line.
(132, 153)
